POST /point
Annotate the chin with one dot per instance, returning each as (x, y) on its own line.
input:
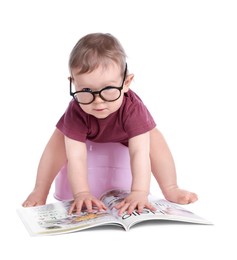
(100, 116)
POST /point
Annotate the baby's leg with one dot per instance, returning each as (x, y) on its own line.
(163, 169)
(52, 160)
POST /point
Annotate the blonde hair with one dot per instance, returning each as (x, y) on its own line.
(97, 49)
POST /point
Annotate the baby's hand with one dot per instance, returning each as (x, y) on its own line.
(135, 200)
(85, 199)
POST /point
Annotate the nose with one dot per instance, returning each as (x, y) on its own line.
(98, 99)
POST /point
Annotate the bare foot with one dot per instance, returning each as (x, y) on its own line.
(34, 199)
(180, 196)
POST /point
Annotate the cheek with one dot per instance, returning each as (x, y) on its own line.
(116, 104)
(85, 108)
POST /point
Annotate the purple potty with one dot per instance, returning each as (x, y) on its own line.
(108, 168)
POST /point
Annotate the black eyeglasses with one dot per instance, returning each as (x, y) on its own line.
(86, 96)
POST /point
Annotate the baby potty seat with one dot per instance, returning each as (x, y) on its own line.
(108, 168)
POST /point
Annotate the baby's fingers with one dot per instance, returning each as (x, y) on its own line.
(98, 204)
(135, 206)
(101, 206)
(88, 205)
(122, 207)
(120, 204)
(76, 207)
(150, 207)
(125, 208)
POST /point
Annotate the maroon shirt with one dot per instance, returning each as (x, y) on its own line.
(130, 120)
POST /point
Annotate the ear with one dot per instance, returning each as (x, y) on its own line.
(127, 82)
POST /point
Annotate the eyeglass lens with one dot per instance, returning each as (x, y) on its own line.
(107, 94)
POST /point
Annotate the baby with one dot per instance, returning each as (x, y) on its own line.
(105, 110)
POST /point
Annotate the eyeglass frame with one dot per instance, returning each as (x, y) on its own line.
(97, 92)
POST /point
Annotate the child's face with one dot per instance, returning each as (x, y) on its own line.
(97, 80)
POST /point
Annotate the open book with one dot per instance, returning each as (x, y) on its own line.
(53, 218)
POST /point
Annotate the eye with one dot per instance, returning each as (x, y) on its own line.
(86, 90)
(109, 87)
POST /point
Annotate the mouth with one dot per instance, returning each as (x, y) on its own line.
(100, 109)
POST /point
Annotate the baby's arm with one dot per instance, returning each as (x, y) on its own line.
(163, 169)
(139, 148)
(52, 160)
(77, 175)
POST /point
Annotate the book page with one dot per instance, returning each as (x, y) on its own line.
(165, 210)
(113, 197)
(54, 219)
(176, 212)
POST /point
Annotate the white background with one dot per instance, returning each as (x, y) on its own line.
(184, 57)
